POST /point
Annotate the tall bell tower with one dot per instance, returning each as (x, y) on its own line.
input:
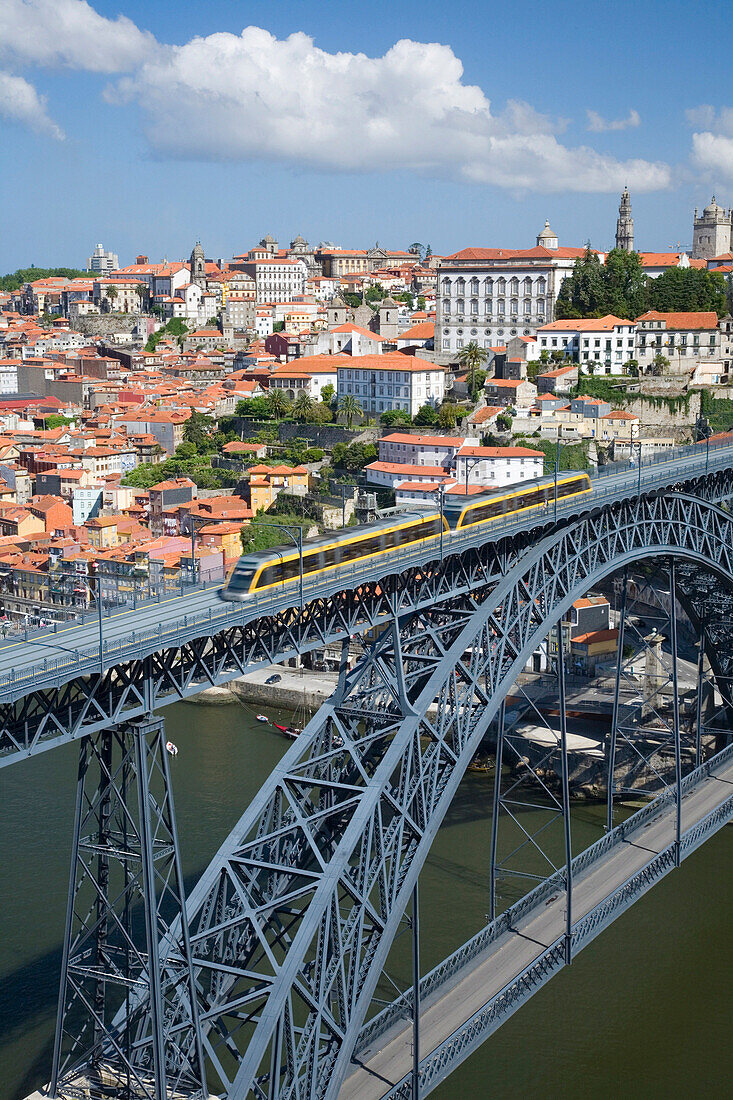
(625, 224)
(198, 265)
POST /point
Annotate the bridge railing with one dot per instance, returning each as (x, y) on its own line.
(451, 967)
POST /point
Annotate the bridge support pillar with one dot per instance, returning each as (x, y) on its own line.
(125, 887)
(565, 783)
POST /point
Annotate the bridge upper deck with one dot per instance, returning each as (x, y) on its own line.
(52, 659)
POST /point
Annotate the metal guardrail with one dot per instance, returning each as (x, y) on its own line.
(450, 967)
(697, 462)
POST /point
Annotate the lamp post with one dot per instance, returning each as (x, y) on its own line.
(557, 465)
(638, 491)
(474, 461)
(192, 520)
(88, 582)
(298, 542)
(440, 493)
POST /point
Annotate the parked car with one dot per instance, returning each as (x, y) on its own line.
(274, 679)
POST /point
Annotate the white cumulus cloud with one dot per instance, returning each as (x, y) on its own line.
(70, 33)
(20, 102)
(712, 144)
(597, 124)
(253, 97)
(248, 97)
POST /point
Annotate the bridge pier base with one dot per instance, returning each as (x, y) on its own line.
(125, 886)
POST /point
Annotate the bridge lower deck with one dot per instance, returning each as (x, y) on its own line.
(485, 977)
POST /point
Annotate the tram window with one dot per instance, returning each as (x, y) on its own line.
(331, 556)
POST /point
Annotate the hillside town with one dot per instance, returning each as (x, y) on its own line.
(160, 417)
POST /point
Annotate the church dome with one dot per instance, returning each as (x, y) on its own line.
(546, 234)
(712, 208)
(298, 242)
(388, 303)
(337, 302)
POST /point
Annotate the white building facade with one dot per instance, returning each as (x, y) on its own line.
(497, 466)
(277, 280)
(392, 381)
(490, 295)
(606, 343)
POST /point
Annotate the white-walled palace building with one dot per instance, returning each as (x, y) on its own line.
(491, 295)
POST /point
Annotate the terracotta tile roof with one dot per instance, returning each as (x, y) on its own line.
(696, 320)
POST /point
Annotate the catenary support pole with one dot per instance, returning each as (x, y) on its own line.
(613, 739)
(495, 810)
(700, 680)
(415, 994)
(675, 712)
(565, 798)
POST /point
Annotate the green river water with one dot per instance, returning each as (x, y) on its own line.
(644, 1011)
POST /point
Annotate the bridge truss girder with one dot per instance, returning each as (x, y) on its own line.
(291, 925)
(52, 713)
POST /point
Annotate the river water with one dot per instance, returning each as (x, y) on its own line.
(645, 1010)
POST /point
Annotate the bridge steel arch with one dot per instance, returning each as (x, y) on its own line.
(291, 924)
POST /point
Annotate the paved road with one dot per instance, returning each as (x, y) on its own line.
(513, 952)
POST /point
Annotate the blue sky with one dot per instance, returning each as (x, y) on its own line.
(170, 125)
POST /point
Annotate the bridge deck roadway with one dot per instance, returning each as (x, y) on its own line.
(484, 977)
(72, 651)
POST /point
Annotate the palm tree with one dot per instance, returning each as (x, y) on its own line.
(111, 296)
(473, 357)
(303, 406)
(350, 407)
(278, 403)
(141, 290)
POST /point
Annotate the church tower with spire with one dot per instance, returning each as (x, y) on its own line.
(625, 224)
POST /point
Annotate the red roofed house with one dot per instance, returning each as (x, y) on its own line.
(421, 450)
(510, 391)
(497, 466)
(392, 380)
(683, 338)
(607, 342)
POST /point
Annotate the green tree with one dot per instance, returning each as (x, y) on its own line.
(659, 365)
(375, 293)
(328, 394)
(632, 368)
(199, 431)
(625, 284)
(112, 295)
(303, 406)
(256, 407)
(278, 326)
(420, 302)
(15, 279)
(351, 408)
(687, 290)
(354, 456)
(504, 422)
(472, 356)
(426, 416)
(395, 418)
(447, 415)
(278, 404)
(583, 293)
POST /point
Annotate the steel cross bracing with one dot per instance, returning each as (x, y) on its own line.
(125, 856)
(291, 925)
(46, 700)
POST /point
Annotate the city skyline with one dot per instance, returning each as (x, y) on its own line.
(240, 120)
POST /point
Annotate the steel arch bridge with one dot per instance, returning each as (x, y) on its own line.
(291, 925)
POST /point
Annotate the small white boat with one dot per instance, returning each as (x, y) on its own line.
(262, 718)
(171, 748)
